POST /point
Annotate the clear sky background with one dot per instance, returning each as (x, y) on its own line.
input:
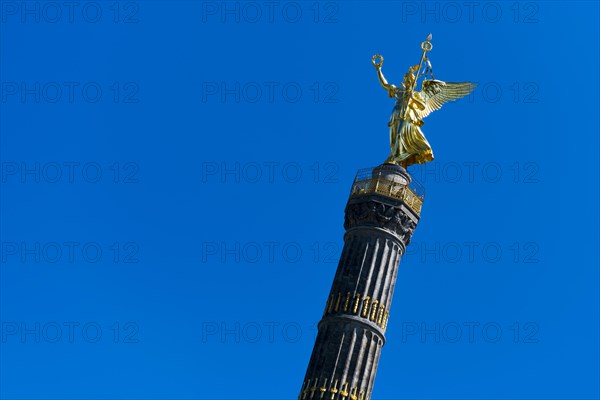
(174, 177)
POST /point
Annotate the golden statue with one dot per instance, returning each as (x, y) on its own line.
(407, 141)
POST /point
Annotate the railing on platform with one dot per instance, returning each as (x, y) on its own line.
(365, 183)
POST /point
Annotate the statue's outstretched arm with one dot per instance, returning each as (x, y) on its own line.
(384, 83)
(378, 63)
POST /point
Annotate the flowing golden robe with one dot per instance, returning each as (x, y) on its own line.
(407, 142)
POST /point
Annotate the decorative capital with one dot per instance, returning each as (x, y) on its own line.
(377, 214)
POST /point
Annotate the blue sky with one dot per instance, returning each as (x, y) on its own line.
(174, 176)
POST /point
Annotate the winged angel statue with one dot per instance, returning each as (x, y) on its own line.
(408, 144)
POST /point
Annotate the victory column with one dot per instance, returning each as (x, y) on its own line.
(380, 217)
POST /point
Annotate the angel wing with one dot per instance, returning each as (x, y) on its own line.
(435, 93)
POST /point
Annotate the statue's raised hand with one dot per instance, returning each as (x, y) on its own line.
(375, 62)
